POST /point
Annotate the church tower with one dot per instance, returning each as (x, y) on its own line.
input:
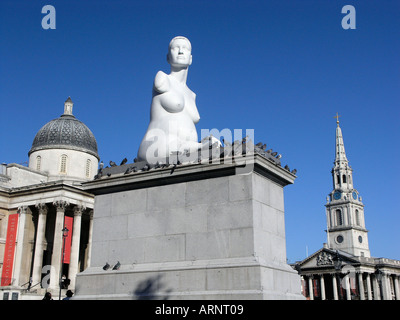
(344, 208)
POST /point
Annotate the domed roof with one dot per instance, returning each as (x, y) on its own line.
(65, 132)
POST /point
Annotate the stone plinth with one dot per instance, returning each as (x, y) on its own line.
(200, 231)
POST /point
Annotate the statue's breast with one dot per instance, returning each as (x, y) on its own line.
(172, 100)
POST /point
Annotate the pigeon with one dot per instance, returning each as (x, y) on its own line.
(124, 161)
(294, 171)
(116, 267)
(274, 154)
(112, 164)
(129, 170)
(287, 168)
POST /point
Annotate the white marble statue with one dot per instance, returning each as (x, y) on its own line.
(173, 112)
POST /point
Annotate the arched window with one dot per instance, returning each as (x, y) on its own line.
(38, 162)
(339, 217)
(358, 220)
(338, 178)
(88, 168)
(63, 164)
(344, 178)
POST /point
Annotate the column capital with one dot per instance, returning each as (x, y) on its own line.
(22, 209)
(383, 273)
(42, 207)
(61, 204)
(78, 210)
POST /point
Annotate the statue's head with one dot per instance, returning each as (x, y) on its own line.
(179, 52)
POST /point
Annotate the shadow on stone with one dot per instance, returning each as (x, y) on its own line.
(151, 289)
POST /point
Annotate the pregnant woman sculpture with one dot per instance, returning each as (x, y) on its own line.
(173, 112)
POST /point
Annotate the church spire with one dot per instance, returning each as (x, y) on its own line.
(341, 171)
(344, 208)
(340, 157)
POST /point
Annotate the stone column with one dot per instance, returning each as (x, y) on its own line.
(369, 291)
(323, 296)
(385, 287)
(334, 286)
(22, 212)
(310, 287)
(57, 244)
(347, 286)
(361, 286)
(89, 254)
(76, 240)
(375, 285)
(39, 242)
(396, 287)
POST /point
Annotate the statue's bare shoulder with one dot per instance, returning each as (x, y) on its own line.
(161, 82)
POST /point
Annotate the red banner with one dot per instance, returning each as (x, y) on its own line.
(9, 250)
(68, 223)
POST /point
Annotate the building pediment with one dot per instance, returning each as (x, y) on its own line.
(326, 258)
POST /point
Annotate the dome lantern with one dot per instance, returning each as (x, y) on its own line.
(68, 104)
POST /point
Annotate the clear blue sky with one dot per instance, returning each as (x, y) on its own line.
(282, 68)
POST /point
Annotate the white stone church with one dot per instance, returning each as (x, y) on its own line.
(344, 269)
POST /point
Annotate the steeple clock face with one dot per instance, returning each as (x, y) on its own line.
(355, 195)
(337, 195)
